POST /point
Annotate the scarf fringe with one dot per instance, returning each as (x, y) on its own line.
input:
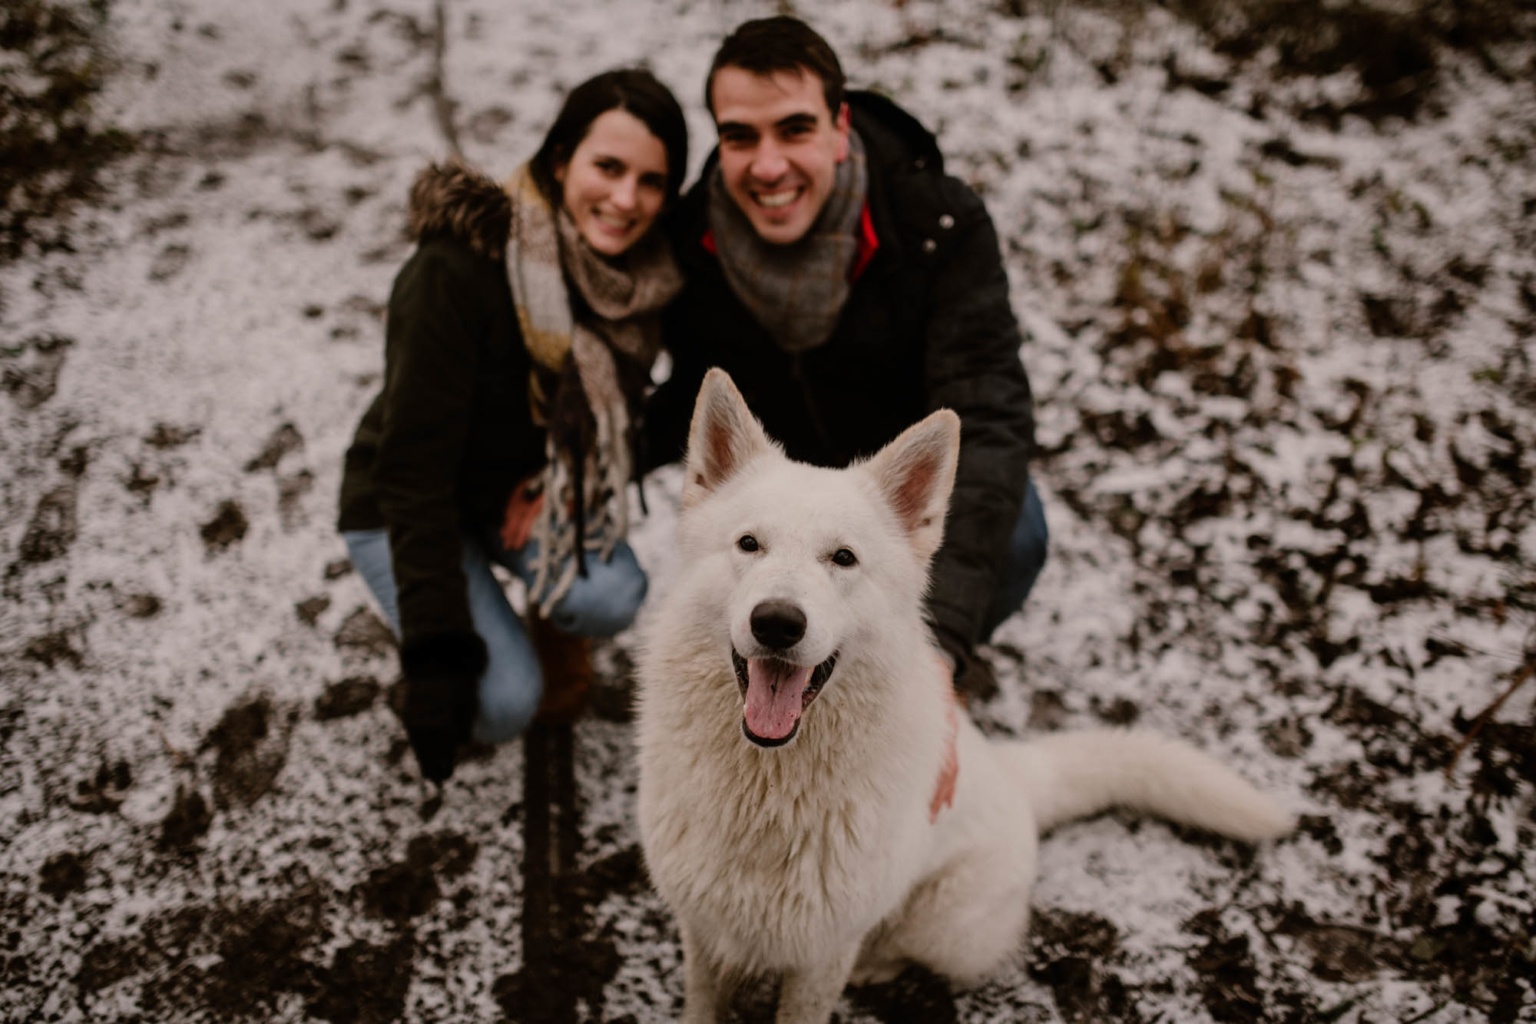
(594, 525)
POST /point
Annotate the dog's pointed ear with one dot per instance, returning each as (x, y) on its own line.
(723, 437)
(916, 473)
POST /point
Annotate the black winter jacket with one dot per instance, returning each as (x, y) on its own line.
(439, 451)
(927, 324)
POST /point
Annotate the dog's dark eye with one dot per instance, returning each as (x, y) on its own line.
(844, 558)
(747, 542)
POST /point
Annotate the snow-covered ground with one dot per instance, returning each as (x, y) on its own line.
(1279, 281)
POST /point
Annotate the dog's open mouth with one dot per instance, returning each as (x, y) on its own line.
(775, 693)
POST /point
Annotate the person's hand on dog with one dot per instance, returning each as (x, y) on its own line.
(442, 685)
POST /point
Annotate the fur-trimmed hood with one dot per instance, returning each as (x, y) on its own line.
(456, 200)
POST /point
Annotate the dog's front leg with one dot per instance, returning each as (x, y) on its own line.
(704, 991)
(808, 996)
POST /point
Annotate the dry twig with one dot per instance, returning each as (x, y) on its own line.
(436, 86)
(1486, 715)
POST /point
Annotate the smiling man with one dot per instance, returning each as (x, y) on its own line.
(850, 287)
(780, 148)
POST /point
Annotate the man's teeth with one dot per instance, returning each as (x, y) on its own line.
(774, 200)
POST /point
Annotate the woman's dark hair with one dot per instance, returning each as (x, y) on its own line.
(768, 45)
(630, 89)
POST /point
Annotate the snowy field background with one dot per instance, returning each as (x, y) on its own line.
(1277, 266)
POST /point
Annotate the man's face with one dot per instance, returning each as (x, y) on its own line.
(779, 148)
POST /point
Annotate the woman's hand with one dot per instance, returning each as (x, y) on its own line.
(522, 511)
(442, 696)
(439, 715)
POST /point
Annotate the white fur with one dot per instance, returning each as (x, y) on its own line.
(817, 861)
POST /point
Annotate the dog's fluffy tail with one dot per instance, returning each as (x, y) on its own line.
(1077, 774)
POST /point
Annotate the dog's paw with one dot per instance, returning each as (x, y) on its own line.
(876, 972)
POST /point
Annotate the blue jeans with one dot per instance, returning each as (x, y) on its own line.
(1026, 557)
(600, 603)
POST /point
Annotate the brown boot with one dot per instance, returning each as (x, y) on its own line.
(567, 664)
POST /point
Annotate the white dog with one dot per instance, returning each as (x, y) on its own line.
(812, 803)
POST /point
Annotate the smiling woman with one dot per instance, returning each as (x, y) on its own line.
(519, 341)
(615, 182)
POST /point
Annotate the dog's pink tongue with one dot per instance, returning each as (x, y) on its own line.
(775, 691)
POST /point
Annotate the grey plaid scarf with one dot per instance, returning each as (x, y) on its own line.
(795, 291)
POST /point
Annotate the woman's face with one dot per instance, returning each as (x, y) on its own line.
(615, 182)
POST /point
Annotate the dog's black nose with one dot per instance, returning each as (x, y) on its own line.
(778, 624)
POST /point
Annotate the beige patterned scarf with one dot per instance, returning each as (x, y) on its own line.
(589, 374)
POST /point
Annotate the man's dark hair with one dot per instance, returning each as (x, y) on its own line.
(634, 90)
(769, 45)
